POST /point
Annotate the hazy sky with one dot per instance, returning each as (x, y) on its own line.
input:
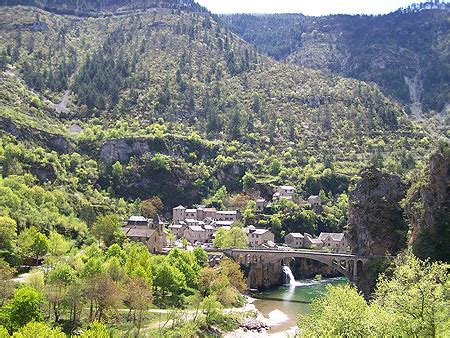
(308, 7)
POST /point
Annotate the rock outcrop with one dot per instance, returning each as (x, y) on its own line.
(427, 208)
(265, 275)
(375, 218)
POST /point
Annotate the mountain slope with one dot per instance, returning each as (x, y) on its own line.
(405, 53)
(148, 88)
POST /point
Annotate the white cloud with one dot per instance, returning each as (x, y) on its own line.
(308, 7)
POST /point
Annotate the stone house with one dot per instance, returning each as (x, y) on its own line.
(191, 213)
(178, 214)
(203, 213)
(257, 237)
(178, 230)
(261, 204)
(228, 215)
(311, 242)
(294, 240)
(195, 233)
(149, 233)
(334, 241)
(138, 221)
(284, 191)
(314, 200)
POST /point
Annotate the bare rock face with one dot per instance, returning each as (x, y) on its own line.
(427, 208)
(375, 217)
(265, 275)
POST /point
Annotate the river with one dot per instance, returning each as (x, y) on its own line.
(284, 304)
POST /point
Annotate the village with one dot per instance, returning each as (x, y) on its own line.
(198, 227)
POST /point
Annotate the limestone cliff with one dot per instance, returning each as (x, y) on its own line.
(375, 217)
(427, 208)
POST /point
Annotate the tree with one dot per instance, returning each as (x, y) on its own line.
(212, 309)
(33, 244)
(6, 283)
(96, 330)
(138, 297)
(201, 256)
(417, 293)
(248, 181)
(59, 279)
(25, 307)
(234, 126)
(151, 207)
(169, 285)
(36, 329)
(107, 229)
(341, 313)
(232, 238)
(58, 245)
(8, 229)
(104, 294)
(233, 271)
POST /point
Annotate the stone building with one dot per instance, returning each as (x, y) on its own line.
(333, 241)
(294, 240)
(151, 233)
(257, 237)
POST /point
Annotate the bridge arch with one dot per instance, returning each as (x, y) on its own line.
(350, 266)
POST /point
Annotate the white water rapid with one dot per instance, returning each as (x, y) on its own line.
(290, 277)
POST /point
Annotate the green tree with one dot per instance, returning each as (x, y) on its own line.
(6, 283)
(417, 293)
(232, 238)
(8, 234)
(25, 307)
(36, 329)
(96, 330)
(341, 313)
(107, 229)
(33, 244)
(59, 279)
(169, 285)
(248, 180)
(201, 256)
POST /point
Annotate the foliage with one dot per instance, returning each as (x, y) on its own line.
(230, 238)
(24, 307)
(410, 300)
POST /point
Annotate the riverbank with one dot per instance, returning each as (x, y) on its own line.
(261, 324)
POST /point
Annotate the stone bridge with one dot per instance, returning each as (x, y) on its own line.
(264, 263)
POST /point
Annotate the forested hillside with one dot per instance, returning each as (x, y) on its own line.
(405, 52)
(162, 74)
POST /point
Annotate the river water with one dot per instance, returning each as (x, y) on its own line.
(283, 305)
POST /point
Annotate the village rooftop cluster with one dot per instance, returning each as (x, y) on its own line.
(199, 225)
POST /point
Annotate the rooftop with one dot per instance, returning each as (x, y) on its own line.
(196, 228)
(296, 235)
(335, 236)
(287, 187)
(191, 210)
(137, 219)
(227, 212)
(131, 232)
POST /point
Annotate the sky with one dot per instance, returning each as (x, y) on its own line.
(307, 7)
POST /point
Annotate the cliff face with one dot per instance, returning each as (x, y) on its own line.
(375, 217)
(427, 208)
